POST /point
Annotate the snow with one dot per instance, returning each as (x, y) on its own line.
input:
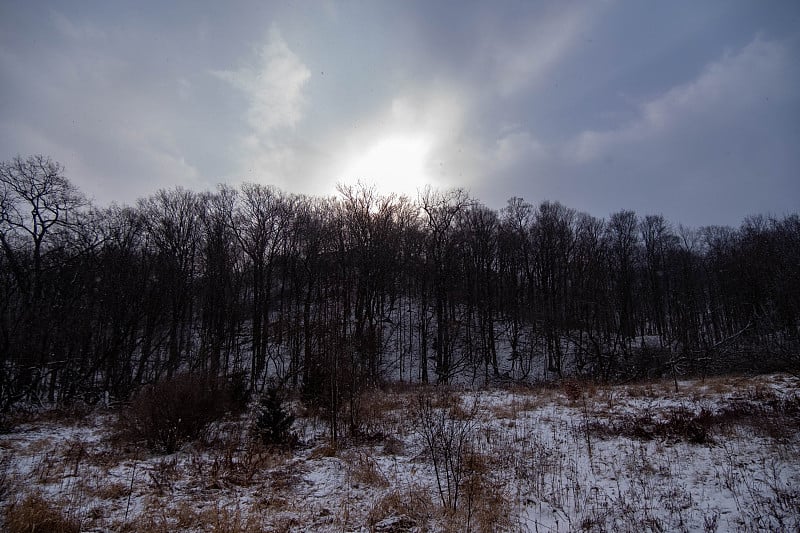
(548, 459)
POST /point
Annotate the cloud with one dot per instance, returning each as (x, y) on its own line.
(734, 87)
(514, 146)
(601, 106)
(273, 86)
(86, 102)
(75, 31)
(524, 58)
(415, 132)
(722, 135)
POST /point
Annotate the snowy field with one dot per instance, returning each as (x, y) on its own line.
(721, 454)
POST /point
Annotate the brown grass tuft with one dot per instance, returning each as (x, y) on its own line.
(34, 514)
(486, 505)
(326, 450)
(363, 470)
(406, 510)
(573, 389)
(108, 491)
(393, 446)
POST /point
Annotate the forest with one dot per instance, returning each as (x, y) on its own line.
(332, 297)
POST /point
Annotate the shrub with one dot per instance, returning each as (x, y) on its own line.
(236, 391)
(448, 434)
(178, 410)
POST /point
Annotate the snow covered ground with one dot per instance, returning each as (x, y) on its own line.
(721, 454)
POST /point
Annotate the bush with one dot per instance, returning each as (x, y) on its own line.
(178, 410)
(448, 434)
(237, 391)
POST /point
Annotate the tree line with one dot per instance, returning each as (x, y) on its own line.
(332, 296)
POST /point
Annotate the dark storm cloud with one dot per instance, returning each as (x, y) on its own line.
(720, 144)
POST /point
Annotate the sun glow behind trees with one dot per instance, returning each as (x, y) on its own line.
(397, 163)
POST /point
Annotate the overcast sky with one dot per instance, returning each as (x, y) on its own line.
(689, 109)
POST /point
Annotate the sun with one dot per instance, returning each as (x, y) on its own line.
(394, 164)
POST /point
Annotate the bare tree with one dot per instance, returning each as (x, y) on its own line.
(448, 433)
(554, 245)
(171, 219)
(441, 210)
(480, 226)
(220, 286)
(35, 198)
(589, 283)
(259, 222)
(658, 241)
(36, 201)
(515, 251)
(623, 241)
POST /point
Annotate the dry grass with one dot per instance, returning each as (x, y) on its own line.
(378, 406)
(486, 505)
(527, 399)
(33, 514)
(40, 445)
(105, 490)
(528, 402)
(527, 463)
(363, 470)
(5, 475)
(678, 424)
(573, 389)
(75, 451)
(410, 509)
(48, 468)
(504, 412)
(325, 450)
(763, 413)
(75, 413)
(284, 480)
(393, 446)
(234, 465)
(380, 416)
(162, 516)
(218, 519)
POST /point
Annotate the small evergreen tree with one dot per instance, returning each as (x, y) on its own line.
(273, 424)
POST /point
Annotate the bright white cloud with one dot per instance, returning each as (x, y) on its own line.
(395, 163)
(273, 86)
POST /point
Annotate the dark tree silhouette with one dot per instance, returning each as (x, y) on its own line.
(337, 296)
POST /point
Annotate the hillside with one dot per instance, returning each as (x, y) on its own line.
(715, 455)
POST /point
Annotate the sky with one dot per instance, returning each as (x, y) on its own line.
(690, 109)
